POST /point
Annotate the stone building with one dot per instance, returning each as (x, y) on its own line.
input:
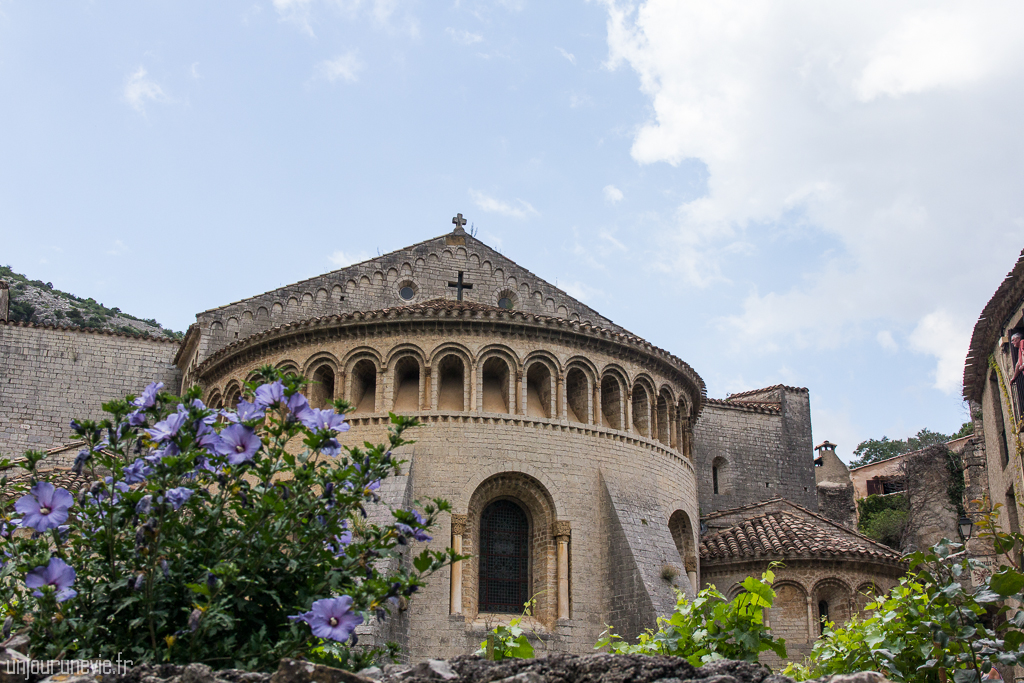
(994, 390)
(542, 419)
(827, 571)
(835, 486)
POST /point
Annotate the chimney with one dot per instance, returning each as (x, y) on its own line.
(5, 302)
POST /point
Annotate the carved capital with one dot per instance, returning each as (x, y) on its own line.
(458, 525)
(691, 564)
(561, 529)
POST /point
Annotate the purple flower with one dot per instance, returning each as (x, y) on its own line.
(332, 618)
(137, 472)
(58, 574)
(148, 398)
(137, 418)
(179, 496)
(341, 540)
(165, 429)
(246, 411)
(407, 530)
(239, 443)
(270, 394)
(45, 507)
(299, 407)
(144, 505)
(207, 439)
(324, 419)
(110, 490)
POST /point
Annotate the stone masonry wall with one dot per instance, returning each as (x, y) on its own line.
(50, 375)
(556, 467)
(761, 452)
(800, 584)
(427, 267)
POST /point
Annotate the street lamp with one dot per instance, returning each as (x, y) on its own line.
(966, 528)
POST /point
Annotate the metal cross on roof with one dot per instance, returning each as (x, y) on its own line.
(460, 285)
(459, 221)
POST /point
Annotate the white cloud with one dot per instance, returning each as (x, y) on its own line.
(296, 12)
(940, 335)
(883, 129)
(580, 290)
(568, 55)
(612, 194)
(117, 248)
(139, 89)
(195, 70)
(518, 209)
(345, 67)
(340, 259)
(463, 37)
(885, 340)
(580, 100)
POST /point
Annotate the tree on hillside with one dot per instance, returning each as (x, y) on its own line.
(876, 450)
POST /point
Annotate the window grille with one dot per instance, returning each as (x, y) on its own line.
(504, 558)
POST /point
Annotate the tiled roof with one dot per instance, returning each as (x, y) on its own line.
(989, 328)
(61, 478)
(756, 406)
(779, 534)
(773, 387)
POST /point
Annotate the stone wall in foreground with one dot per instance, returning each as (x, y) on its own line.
(50, 375)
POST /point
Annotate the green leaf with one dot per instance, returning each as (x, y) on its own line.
(1007, 582)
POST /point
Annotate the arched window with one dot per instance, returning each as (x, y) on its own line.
(538, 391)
(714, 477)
(611, 402)
(321, 391)
(641, 410)
(822, 615)
(495, 384)
(504, 558)
(407, 384)
(577, 394)
(451, 392)
(364, 387)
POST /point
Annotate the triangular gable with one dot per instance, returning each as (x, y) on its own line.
(430, 268)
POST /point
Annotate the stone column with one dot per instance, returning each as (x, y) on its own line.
(627, 409)
(559, 408)
(598, 406)
(561, 531)
(458, 529)
(378, 399)
(521, 393)
(811, 635)
(691, 572)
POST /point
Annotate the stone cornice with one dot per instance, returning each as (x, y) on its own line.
(467, 319)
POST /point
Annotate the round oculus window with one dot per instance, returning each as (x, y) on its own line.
(407, 293)
(505, 302)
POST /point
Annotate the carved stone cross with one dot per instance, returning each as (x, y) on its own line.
(459, 221)
(460, 285)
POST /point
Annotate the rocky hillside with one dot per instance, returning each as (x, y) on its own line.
(38, 302)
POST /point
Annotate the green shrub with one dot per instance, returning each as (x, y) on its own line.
(710, 627)
(886, 526)
(929, 623)
(208, 540)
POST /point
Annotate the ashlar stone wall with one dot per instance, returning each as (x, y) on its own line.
(50, 375)
(604, 495)
(761, 447)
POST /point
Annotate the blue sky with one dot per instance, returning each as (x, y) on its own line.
(818, 195)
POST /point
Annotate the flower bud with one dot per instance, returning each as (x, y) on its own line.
(140, 581)
(165, 568)
(211, 581)
(193, 619)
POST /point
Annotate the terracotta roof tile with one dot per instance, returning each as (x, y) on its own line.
(784, 533)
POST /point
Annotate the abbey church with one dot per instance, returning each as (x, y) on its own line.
(585, 465)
